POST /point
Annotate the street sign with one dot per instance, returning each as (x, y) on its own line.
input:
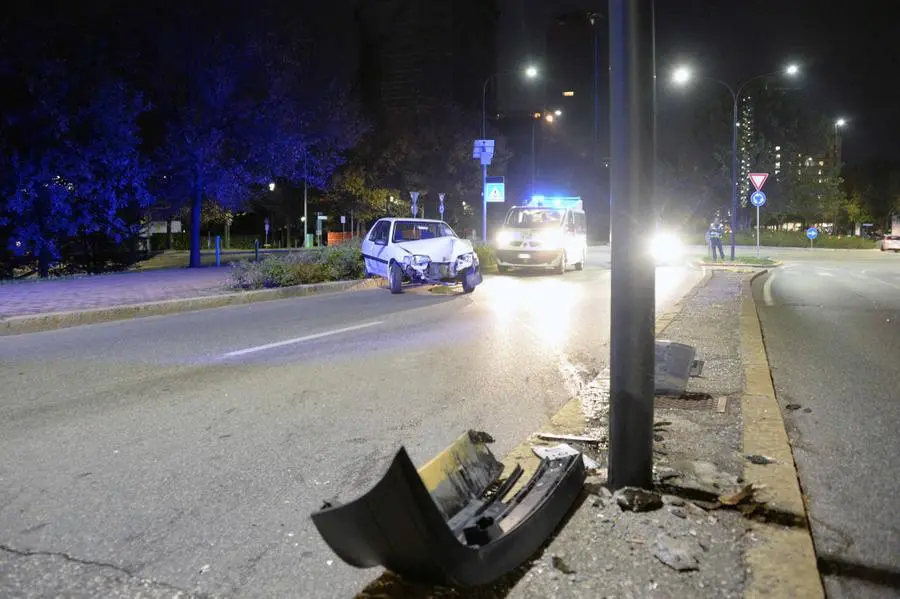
(812, 233)
(322, 217)
(483, 150)
(343, 220)
(758, 180)
(758, 199)
(495, 189)
(414, 195)
(441, 205)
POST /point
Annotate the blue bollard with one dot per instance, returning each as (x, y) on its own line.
(218, 250)
(256, 250)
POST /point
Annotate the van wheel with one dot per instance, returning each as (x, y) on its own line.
(580, 264)
(395, 278)
(561, 269)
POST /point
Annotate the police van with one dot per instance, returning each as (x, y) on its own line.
(544, 233)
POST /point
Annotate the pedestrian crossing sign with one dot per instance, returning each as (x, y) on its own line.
(495, 191)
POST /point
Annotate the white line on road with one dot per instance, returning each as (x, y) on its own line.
(251, 350)
(825, 273)
(767, 290)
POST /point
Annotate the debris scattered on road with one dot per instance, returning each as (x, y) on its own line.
(634, 499)
(760, 460)
(673, 500)
(807, 410)
(658, 438)
(678, 513)
(576, 438)
(661, 423)
(204, 569)
(679, 554)
(562, 450)
(561, 565)
(480, 437)
(792, 406)
(745, 494)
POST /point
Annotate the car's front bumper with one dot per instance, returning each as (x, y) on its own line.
(438, 272)
(521, 258)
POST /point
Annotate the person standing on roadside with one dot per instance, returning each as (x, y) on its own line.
(716, 230)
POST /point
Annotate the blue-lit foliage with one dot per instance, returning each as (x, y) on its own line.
(71, 166)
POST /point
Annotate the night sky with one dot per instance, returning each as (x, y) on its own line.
(849, 54)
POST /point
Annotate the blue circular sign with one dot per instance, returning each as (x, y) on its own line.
(758, 199)
(812, 232)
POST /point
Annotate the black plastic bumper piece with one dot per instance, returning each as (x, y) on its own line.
(398, 524)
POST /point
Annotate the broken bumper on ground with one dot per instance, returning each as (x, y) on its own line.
(448, 523)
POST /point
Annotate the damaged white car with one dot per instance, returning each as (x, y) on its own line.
(419, 251)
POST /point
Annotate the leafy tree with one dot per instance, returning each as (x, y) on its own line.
(71, 162)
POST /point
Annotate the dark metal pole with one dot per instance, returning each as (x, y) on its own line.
(533, 127)
(633, 284)
(656, 206)
(734, 172)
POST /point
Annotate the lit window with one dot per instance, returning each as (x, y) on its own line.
(821, 163)
(777, 148)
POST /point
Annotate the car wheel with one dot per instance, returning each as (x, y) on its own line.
(501, 268)
(561, 269)
(468, 281)
(580, 264)
(395, 278)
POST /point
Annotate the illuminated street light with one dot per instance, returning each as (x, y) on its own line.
(531, 72)
(682, 75)
(557, 112)
(549, 118)
(568, 94)
(272, 186)
(840, 123)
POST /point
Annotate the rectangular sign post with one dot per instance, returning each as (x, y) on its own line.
(758, 199)
(632, 351)
(483, 151)
(495, 189)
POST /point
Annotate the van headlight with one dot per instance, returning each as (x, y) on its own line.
(551, 239)
(504, 238)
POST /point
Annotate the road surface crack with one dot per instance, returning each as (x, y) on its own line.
(98, 564)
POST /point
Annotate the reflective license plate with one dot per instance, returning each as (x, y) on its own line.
(524, 256)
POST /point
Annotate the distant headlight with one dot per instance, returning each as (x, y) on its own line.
(504, 238)
(465, 261)
(666, 246)
(416, 261)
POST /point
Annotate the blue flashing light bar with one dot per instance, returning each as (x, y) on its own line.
(541, 201)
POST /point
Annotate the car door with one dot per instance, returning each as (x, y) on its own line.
(375, 249)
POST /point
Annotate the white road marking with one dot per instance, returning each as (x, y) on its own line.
(767, 290)
(250, 350)
(824, 273)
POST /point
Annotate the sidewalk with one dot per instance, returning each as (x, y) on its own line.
(103, 291)
(708, 533)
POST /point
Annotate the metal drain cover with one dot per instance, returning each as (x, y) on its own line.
(692, 401)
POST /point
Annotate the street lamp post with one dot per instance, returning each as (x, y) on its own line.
(530, 72)
(838, 124)
(681, 76)
(305, 178)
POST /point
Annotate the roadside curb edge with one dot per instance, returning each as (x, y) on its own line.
(35, 323)
(781, 562)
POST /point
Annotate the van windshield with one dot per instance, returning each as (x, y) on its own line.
(535, 218)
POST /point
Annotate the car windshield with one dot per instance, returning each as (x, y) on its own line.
(535, 218)
(409, 230)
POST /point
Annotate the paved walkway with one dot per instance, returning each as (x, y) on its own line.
(103, 291)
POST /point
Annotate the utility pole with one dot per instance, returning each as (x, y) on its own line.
(305, 185)
(633, 276)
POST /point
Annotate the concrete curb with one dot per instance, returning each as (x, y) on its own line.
(782, 560)
(34, 323)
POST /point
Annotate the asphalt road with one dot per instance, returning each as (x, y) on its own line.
(186, 452)
(832, 331)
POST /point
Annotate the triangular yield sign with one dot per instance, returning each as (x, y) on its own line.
(758, 180)
(495, 193)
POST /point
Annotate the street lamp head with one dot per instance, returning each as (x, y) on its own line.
(557, 112)
(681, 76)
(272, 186)
(840, 122)
(792, 70)
(549, 118)
(531, 72)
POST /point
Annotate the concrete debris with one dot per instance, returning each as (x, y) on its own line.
(743, 495)
(563, 450)
(634, 499)
(679, 554)
(701, 476)
(561, 565)
(793, 406)
(673, 500)
(678, 513)
(760, 460)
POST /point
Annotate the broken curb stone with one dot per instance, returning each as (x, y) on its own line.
(633, 499)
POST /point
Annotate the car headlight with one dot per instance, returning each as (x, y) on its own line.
(465, 261)
(504, 238)
(666, 246)
(416, 260)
